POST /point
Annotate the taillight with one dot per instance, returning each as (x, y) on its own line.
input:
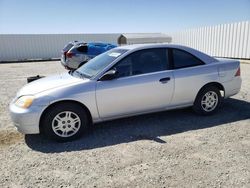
(238, 72)
(69, 54)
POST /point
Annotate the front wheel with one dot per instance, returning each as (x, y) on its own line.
(65, 122)
(207, 101)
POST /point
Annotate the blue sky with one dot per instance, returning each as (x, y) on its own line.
(117, 16)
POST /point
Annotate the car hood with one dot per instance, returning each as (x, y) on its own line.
(47, 83)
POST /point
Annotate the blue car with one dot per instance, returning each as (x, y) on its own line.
(75, 54)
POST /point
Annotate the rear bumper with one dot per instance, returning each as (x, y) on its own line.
(69, 64)
(232, 87)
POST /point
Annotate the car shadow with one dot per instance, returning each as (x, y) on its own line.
(144, 127)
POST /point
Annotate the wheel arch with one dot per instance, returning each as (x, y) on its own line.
(215, 84)
(60, 102)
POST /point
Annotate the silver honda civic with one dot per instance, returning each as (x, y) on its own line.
(124, 81)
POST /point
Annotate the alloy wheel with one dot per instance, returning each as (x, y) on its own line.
(209, 101)
(66, 124)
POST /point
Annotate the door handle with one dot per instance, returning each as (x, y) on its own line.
(164, 80)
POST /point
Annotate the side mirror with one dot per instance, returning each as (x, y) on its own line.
(109, 75)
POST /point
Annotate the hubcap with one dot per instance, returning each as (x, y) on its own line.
(66, 124)
(209, 101)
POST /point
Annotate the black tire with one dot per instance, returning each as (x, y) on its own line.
(203, 105)
(75, 118)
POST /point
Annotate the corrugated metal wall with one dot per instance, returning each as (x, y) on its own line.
(225, 40)
(44, 46)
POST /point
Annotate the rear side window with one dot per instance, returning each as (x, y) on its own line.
(183, 59)
(83, 49)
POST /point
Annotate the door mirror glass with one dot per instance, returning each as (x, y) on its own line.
(109, 75)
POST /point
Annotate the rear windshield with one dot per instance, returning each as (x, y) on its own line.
(67, 47)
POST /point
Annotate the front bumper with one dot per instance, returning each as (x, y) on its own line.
(26, 120)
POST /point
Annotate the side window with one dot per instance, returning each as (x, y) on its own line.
(83, 48)
(142, 62)
(183, 59)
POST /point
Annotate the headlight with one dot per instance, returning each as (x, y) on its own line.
(24, 101)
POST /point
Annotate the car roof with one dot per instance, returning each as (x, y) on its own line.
(202, 56)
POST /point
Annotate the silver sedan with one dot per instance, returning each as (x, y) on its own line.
(124, 81)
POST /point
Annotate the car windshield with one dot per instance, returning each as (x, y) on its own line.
(97, 64)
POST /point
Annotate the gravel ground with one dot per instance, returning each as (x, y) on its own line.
(167, 149)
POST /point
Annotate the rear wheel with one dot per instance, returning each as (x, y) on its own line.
(65, 122)
(207, 101)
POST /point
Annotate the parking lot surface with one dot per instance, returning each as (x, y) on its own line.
(167, 149)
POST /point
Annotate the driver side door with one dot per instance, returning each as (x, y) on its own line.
(143, 83)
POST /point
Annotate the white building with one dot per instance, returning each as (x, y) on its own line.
(139, 38)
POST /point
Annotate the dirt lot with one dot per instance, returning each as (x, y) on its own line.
(167, 149)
